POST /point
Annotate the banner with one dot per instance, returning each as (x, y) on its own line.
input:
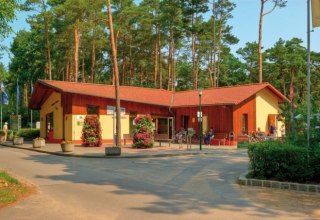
(4, 96)
(315, 7)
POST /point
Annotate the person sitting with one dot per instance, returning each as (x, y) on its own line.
(209, 137)
(179, 136)
(260, 135)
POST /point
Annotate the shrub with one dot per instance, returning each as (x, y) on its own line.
(91, 131)
(279, 161)
(143, 132)
(28, 134)
(315, 164)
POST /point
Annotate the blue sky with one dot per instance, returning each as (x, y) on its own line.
(284, 23)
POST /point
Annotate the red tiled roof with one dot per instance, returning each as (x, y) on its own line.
(231, 95)
(218, 96)
(129, 93)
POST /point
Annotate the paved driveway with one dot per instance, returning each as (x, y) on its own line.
(185, 187)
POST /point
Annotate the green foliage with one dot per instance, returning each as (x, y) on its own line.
(284, 162)
(143, 132)
(28, 134)
(6, 177)
(91, 132)
(7, 11)
(10, 189)
(315, 163)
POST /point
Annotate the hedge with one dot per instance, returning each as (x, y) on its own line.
(280, 161)
(28, 134)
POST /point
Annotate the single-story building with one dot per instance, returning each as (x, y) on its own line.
(238, 109)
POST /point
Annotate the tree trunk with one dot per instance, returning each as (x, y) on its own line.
(48, 51)
(130, 63)
(193, 48)
(212, 49)
(76, 51)
(83, 75)
(44, 8)
(219, 52)
(93, 58)
(260, 41)
(116, 74)
(170, 58)
(156, 60)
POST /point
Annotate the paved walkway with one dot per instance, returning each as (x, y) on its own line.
(126, 151)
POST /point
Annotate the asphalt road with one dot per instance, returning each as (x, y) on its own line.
(185, 187)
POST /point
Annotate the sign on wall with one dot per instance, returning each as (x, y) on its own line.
(111, 110)
(80, 120)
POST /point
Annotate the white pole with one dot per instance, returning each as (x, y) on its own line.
(308, 73)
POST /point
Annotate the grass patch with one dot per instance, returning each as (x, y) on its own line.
(11, 190)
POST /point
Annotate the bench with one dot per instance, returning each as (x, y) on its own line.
(243, 138)
(162, 137)
(127, 137)
(219, 138)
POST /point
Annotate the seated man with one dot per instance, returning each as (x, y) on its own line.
(260, 135)
(209, 136)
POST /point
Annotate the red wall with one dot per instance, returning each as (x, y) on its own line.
(77, 104)
(247, 107)
(219, 118)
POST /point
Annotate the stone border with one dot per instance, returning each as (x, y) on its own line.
(312, 188)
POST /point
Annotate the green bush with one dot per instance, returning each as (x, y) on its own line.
(28, 134)
(315, 164)
(279, 161)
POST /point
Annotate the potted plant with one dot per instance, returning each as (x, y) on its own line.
(38, 142)
(67, 146)
(17, 140)
(113, 151)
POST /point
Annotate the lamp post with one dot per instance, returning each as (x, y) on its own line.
(200, 118)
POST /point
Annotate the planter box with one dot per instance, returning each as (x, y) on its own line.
(37, 143)
(113, 151)
(17, 140)
(67, 147)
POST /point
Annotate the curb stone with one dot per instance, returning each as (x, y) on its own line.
(72, 154)
(311, 188)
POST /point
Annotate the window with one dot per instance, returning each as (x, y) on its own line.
(92, 110)
(245, 124)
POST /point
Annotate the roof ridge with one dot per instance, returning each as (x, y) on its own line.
(100, 84)
(230, 86)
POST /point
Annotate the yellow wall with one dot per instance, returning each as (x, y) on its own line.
(266, 103)
(74, 125)
(52, 104)
(108, 124)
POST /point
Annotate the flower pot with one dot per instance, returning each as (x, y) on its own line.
(17, 140)
(37, 143)
(67, 147)
(113, 151)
